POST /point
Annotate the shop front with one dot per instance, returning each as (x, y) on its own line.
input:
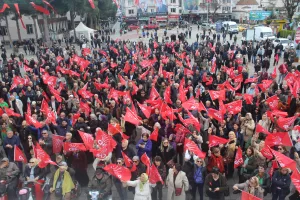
(161, 20)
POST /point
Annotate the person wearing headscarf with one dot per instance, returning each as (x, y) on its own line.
(142, 187)
(251, 186)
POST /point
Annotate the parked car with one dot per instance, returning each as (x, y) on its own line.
(132, 27)
(151, 26)
(212, 26)
(205, 26)
(286, 43)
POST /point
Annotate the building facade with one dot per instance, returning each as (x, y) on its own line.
(242, 8)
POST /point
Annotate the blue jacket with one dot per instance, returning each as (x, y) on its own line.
(281, 181)
(147, 149)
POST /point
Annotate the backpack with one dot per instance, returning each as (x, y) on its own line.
(198, 176)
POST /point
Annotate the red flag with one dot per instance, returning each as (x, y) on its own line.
(295, 178)
(273, 102)
(234, 107)
(57, 142)
(85, 93)
(9, 112)
(92, 4)
(42, 156)
(154, 176)
(121, 79)
(128, 162)
(265, 85)
(215, 114)
(273, 167)
(248, 98)
(274, 73)
(290, 78)
(217, 94)
(193, 121)
(19, 155)
(248, 196)
(28, 109)
(131, 117)
(216, 141)
(145, 109)
(279, 139)
(40, 8)
(266, 153)
(239, 78)
(167, 95)
(191, 104)
(72, 147)
(31, 121)
(201, 107)
(85, 107)
(105, 140)
(238, 161)
(85, 74)
(120, 172)
(285, 123)
(20, 17)
(146, 160)
(251, 80)
(87, 139)
(260, 129)
(191, 146)
(153, 94)
(283, 160)
(154, 135)
(55, 93)
(4, 7)
(181, 91)
(116, 128)
(126, 49)
(48, 4)
(101, 153)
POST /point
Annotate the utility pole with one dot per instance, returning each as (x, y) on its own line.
(207, 12)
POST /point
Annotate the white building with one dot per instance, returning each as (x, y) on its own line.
(242, 8)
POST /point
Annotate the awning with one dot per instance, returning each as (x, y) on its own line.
(173, 17)
(144, 19)
(161, 18)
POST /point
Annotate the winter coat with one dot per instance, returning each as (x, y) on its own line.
(281, 181)
(247, 127)
(166, 154)
(147, 149)
(223, 185)
(104, 185)
(258, 192)
(181, 181)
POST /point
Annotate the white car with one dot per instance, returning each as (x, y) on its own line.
(286, 43)
(205, 26)
(212, 26)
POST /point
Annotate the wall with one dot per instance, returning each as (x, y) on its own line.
(13, 28)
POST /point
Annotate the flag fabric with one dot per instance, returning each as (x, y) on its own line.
(87, 139)
(31, 121)
(4, 7)
(217, 94)
(273, 167)
(105, 140)
(283, 160)
(295, 178)
(154, 176)
(275, 139)
(57, 143)
(191, 104)
(235, 107)
(40, 8)
(238, 161)
(248, 196)
(285, 123)
(146, 161)
(215, 141)
(131, 117)
(120, 172)
(215, 114)
(266, 152)
(19, 155)
(101, 153)
(274, 73)
(48, 4)
(154, 135)
(260, 129)
(167, 95)
(128, 162)
(42, 156)
(19, 14)
(153, 94)
(72, 147)
(145, 109)
(273, 102)
(191, 146)
(10, 112)
(92, 4)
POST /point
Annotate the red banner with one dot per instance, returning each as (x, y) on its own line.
(19, 155)
(238, 161)
(57, 143)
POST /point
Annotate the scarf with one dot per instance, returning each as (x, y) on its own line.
(67, 183)
(142, 183)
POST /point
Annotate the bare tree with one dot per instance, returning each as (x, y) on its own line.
(215, 6)
(290, 6)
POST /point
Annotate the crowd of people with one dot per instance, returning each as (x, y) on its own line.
(194, 112)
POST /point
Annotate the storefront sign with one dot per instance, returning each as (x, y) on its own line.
(259, 15)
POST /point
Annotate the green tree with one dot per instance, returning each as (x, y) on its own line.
(107, 9)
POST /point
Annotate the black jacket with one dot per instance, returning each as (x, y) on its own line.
(37, 172)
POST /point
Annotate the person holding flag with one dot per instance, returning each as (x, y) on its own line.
(157, 190)
(122, 191)
(251, 186)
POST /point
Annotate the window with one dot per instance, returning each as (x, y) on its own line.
(173, 10)
(173, 1)
(226, 9)
(228, 1)
(130, 2)
(224, 1)
(3, 30)
(152, 10)
(29, 29)
(131, 11)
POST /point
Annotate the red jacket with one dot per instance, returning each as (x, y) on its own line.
(214, 161)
